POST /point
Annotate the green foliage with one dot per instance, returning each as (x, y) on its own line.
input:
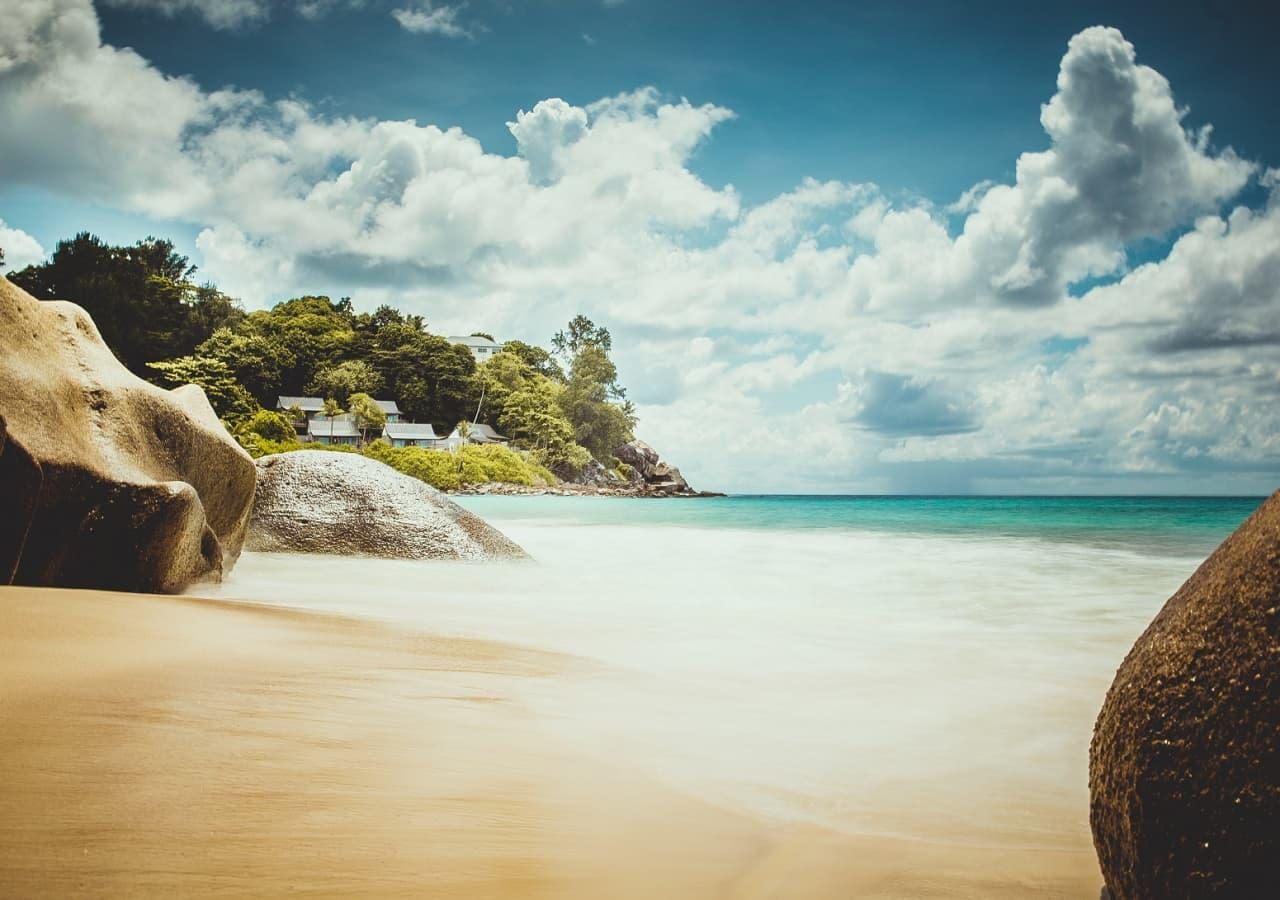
(599, 424)
(493, 462)
(329, 448)
(535, 358)
(430, 378)
(260, 446)
(257, 362)
(581, 334)
(344, 379)
(271, 426)
(141, 297)
(438, 468)
(315, 333)
(167, 328)
(566, 462)
(228, 397)
(472, 464)
(366, 413)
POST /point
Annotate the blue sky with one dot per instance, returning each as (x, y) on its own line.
(925, 98)
(781, 252)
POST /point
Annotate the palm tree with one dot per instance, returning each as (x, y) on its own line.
(330, 411)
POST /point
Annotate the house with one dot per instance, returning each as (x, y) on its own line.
(477, 433)
(310, 406)
(404, 434)
(389, 407)
(314, 406)
(481, 347)
(338, 430)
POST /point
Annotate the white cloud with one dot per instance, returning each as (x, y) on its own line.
(904, 350)
(233, 14)
(20, 249)
(426, 18)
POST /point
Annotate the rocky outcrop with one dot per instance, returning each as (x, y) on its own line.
(107, 481)
(1184, 769)
(317, 501)
(649, 469)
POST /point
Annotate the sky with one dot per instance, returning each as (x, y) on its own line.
(842, 247)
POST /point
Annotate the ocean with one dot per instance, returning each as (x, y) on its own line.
(920, 667)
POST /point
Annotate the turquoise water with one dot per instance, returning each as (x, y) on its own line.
(1167, 525)
(927, 667)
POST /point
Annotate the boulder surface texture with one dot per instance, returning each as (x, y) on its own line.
(648, 468)
(320, 501)
(107, 481)
(1184, 769)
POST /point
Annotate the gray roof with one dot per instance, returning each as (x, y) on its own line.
(315, 404)
(343, 426)
(306, 404)
(480, 433)
(485, 431)
(409, 431)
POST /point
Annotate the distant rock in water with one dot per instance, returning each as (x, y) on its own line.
(318, 501)
(1184, 769)
(107, 481)
(650, 470)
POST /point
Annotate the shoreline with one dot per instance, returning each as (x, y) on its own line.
(176, 745)
(568, 489)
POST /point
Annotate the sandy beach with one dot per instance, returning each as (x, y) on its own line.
(171, 746)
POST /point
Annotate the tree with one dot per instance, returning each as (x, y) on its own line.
(315, 331)
(141, 297)
(535, 358)
(534, 420)
(581, 333)
(331, 411)
(341, 381)
(430, 378)
(367, 414)
(229, 399)
(270, 425)
(258, 362)
(599, 424)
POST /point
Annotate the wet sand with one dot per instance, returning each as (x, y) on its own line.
(156, 746)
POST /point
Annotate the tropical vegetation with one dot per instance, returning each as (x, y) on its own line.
(562, 408)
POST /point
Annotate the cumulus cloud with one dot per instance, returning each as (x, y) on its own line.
(905, 405)
(904, 341)
(427, 18)
(20, 249)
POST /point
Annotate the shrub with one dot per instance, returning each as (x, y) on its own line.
(271, 426)
(438, 468)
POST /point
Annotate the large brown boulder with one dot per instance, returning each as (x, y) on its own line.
(653, 471)
(1184, 769)
(322, 501)
(107, 481)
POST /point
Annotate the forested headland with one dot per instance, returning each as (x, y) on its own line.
(562, 407)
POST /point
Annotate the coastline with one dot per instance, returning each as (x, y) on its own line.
(570, 489)
(161, 745)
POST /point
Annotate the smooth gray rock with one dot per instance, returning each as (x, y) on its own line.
(318, 501)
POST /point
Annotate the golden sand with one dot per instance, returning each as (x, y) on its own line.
(166, 747)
